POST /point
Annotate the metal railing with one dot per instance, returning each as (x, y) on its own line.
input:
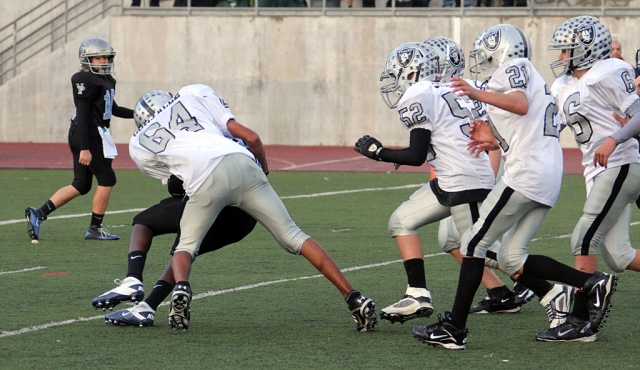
(50, 24)
(43, 29)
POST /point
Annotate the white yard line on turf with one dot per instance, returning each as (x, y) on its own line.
(9, 222)
(23, 270)
(201, 295)
(230, 290)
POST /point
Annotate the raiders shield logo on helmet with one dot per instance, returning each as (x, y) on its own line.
(454, 56)
(586, 34)
(491, 40)
(405, 56)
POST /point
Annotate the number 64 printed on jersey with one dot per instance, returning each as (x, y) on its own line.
(156, 136)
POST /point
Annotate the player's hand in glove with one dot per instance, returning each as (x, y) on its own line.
(369, 147)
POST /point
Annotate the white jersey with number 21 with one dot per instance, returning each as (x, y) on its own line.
(533, 156)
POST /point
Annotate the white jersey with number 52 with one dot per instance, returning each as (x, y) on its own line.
(533, 156)
(434, 107)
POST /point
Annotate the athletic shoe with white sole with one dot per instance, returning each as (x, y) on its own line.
(138, 315)
(443, 333)
(572, 330)
(557, 303)
(129, 290)
(415, 303)
(34, 221)
(99, 233)
(180, 307)
(599, 288)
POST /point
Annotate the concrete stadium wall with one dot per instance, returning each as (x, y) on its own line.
(294, 80)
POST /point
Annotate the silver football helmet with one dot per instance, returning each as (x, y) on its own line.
(451, 57)
(585, 40)
(148, 106)
(407, 64)
(96, 47)
(494, 46)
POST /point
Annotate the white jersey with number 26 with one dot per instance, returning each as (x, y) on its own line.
(434, 107)
(587, 106)
(533, 156)
(187, 138)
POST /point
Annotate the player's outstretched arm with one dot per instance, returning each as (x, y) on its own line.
(252, 139)
(514, 102)
(414, 155)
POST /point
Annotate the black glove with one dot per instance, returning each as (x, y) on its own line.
(369, 147)
(174, 185)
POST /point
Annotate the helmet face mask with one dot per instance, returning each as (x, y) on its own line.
(494, 46)
(585, 40)
(149, 105)
(96, 47)
(406, 65)
(451, 57)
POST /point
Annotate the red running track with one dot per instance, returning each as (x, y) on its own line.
(281, 158)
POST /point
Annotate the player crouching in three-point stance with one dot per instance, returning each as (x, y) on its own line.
(191, 138)
(523, 124)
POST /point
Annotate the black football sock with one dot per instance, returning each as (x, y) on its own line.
(160, 291)
(135, 262)
(415, 273)
(470, 276)
(580, 306)
(538, 286)
(544, 267)
(96, 219)
(47, 208)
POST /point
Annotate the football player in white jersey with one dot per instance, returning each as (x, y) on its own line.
(523, 124)
(190, 138)
(498, 299)
(415, 81)
(589, 87)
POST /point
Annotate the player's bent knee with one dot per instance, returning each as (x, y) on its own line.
(81, 188)
(399, 229)
(510, 265)
(616, 264)
(188, 250)
(447, 247)
(108, 180)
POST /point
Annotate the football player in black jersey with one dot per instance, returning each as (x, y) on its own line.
(91, 144)
(231, 226)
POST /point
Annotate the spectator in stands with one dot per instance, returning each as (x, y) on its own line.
(152, 3)
(408, 3)
(235, 3)
(450, 4)
(509, 3)
(196, 3)
(282, 3)
(616, 50)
